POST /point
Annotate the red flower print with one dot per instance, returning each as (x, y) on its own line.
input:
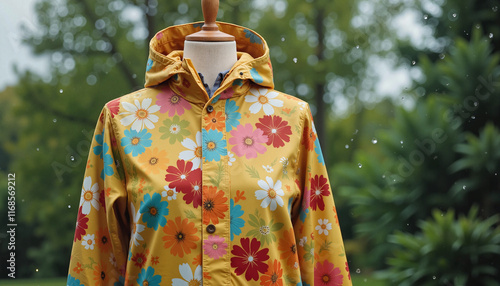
(185, 180)
(319, 188)
(139, 259)
(347, 269)
(81, 225)
(308, 138)
(249, 259)
(276, 129)
(114, 106)
(171, 102)
(273, 275)
(327, 274)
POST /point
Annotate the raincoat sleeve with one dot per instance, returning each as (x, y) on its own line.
(320, 248)
(102, 235)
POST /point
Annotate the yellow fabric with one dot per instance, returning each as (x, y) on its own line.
(183, 189)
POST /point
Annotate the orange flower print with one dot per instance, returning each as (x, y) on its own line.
(153, 161)
(180, 236)
(240, 195)
(308, 138)
(215, 120)
(197, 260)
(273, 276)
(78, 268)
(102, 240)
(155, 260)
(288, 248)
(101, 275)
(214, 204)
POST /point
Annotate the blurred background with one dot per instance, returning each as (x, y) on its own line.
(405, 94)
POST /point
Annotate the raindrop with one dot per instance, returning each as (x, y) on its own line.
(472, 117)
(69, 195)
(490, 36)
(356, 132)
(496, 174)
(54, 120)
(295, 60)
(464, 187)
(442, 56)
(476, 103)
(61, 91)
(413, 63)
(352, 139)
(426, 17)
(282, 39)
(383, 176)
(401, 142)
(69, 206)
(434, 277)
(494, 8)
(38, 149)
(374, 140)
(346, 146)
(359, 165)
(358, 270)
(357, 46)
(454, 15)
(72, 158)
(36, 270)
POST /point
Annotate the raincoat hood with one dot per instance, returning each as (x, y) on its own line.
(166, 62)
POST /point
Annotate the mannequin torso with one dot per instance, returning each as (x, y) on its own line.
(211, 58)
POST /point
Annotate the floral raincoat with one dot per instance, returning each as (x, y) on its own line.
(183, 189)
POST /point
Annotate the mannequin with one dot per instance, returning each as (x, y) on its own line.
(210, 50)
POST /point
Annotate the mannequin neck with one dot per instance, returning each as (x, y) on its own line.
(211, 58)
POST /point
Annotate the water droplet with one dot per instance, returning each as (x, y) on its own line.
(454, 15)
(401, 142)
(374, 140)
(426, 17)
(61, 91)
(442, 56)
(69, 195)
(478, 26)
(295, 60)
(69, 206)
(72, 158)
(346, 146)
(464, 187)
(476, 103)
(352, 139)
(434, 277)
(496, 174)
(356, 132)
(490, 35)
(38, 149)
(282, 39)
(472, 117)
(54, 120)
(413, 63)
(357, 46)
(36, 270)
(494, 8)
(359, 165)
(383, 176)
(358, 270)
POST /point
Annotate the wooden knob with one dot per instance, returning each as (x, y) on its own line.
(210, 31)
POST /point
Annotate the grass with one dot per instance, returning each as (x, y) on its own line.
(357, 280)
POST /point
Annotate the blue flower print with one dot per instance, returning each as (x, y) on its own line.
(238, 82)
(213, 145)
(149, 64)
(232, 115)
(107, 161)
(154, 211)
(256, 76)
(148, 277)
(120, 282)
(303, 214)
(236, 223)
(72, 281)
(100, 148)
(253, 37)
(317, 149)
(136, 142)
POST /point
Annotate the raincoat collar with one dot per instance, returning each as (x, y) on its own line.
(166, 63)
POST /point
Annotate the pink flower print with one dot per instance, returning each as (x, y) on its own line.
(171, 102)
(214, 246)
(248, 141)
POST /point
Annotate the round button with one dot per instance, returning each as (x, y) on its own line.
(210, 228)
(210, 109)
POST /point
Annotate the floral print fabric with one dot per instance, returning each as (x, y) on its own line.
(186, 189)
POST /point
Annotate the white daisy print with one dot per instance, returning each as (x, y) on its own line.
(112, 259)
(140, 115)
(323, 226)
(90, 196)
(194, 152)
(264, 99)
(302, 105)
(88, 241)
(231, 158)
(303, 241)
(171, 194)
(270, 194)
(268, 168)
(137, 228)
(188, 278)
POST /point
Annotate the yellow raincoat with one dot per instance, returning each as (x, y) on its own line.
(183, 189)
